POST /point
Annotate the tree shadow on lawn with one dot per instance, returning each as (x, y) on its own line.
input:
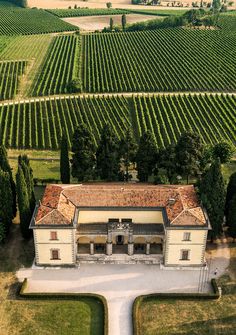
(222, 326)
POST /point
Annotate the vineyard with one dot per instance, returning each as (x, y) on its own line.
(10, 73)
(19, 21)
(86, 12)
(213, 117)
(161, 60)
(39, 124)
(58, 69)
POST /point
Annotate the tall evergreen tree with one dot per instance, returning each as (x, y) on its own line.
(167, 161)
(23, 203)
(83, 157)
(231, 217)
(189, 151)
(123, 21)
(5, 166)
(108, 160)
(128, 150)
(111, 23)
(29, 179)
(6, 204)
(64, 161)
(231, 191)
(146, 156)
(212, 193)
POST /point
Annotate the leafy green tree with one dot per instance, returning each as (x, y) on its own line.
(212, 194)
(231, 191)
(216, 5)
(109, 5)
(146, 156)
(83, 157)
(167, 161)
(128, 150)
(6, 204)
(5, 166)
(64, 161)
(29, 179)
(23, 202)
(111, 23)
(231, 217)
(224, 151)
(108, 159)
(123, 21)
(189, 151)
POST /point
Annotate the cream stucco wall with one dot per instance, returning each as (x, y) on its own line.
(65, 244)
(174, 244)
(138, 216)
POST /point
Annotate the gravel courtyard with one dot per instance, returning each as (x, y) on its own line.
(121, 284)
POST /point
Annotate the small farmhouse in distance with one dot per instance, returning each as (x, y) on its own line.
(92, 222)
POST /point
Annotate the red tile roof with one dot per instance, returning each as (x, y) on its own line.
(176, 199)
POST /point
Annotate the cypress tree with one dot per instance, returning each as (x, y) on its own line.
(128, 150)
(107, 155)
(123, 21)
(23, 203)
(231, 217)
(146, 156)
(231, 191)
(212, 193)
(64, 161)
(6, 204)
(83, 157)
(5, 166)
(29, 179)
(189, 152)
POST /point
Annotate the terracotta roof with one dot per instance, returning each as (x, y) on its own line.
(59, 202)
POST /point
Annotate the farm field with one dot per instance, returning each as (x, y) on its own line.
(21, 21)
(99, 22)
(39, 124)
(161, 60)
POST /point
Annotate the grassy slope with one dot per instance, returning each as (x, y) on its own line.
(179, 317)
(40, 317)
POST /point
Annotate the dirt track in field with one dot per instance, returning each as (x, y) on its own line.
(92, 23)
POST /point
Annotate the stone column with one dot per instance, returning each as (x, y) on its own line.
(91, 248)
(147, 248)
(130, 248)
(109, 248)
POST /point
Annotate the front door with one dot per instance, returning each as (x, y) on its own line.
(120, 239)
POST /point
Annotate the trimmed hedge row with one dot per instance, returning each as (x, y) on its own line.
(66, 296)
(164, 296)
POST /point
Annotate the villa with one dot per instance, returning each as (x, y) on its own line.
(88, 221)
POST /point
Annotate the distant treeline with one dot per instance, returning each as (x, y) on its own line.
(20, 3)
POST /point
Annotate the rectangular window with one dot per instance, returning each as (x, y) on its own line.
(113, 220)
(184, 255)
(55, 254)
(187, 237)
(53, 235)
(126, 220)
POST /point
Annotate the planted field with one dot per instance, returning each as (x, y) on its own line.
(59, 67)
(86, 12)
(6, 4)
(161, 60)
(39, 124)
(10, 73)
(213, 117)
(19, 21)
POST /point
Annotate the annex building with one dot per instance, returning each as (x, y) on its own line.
(87, 221)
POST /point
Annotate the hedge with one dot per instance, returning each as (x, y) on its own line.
(66, 296)
(163, 296)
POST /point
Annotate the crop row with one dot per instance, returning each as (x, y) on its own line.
(58, 69)
(39, 124)
(86, 12)
(213, 117)
(10, 73)
(161, 60)
(20, 21)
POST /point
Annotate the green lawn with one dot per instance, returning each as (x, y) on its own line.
(202, 317)
(41, 317)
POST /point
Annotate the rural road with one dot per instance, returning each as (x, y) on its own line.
(121, 284)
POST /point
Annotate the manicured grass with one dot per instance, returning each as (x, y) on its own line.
(42, 317)
(228, 169)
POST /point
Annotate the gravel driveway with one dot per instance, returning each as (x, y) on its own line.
(120, 284)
